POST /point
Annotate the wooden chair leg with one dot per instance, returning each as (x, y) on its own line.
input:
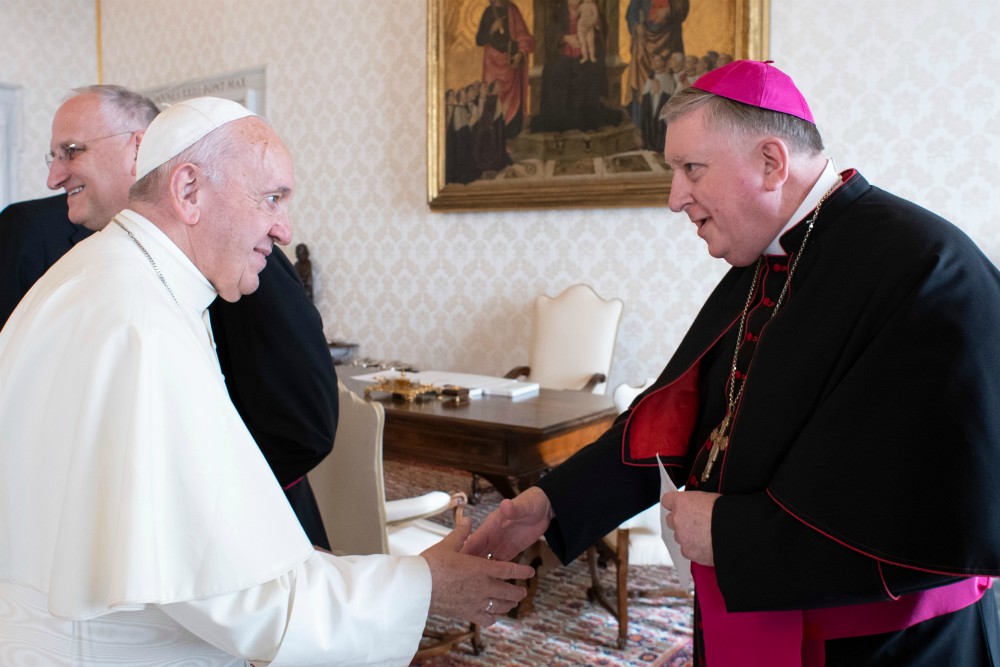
(475, 492)
(596, 593)
(598, 554)
(595, 581)
(621, 564)
(477, 640)
(442, 643)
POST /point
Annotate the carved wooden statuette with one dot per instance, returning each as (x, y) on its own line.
(303, 265)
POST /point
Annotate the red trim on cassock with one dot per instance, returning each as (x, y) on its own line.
(663, 421)
(873, 556)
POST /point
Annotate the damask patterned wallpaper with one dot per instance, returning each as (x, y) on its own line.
(904, 90)
(47, 47)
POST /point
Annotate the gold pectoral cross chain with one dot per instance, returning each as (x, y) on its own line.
(720, 434)
(720, 439)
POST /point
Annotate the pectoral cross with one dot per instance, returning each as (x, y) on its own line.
(720, 439)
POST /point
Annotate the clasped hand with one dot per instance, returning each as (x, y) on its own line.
(689, 515)
(470, 587)
(512, 527)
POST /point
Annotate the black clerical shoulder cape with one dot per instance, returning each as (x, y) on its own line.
(865, 454)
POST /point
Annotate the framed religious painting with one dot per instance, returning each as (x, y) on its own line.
(555, 103)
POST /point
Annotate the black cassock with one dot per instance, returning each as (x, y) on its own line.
(865, 451)
(281, 379)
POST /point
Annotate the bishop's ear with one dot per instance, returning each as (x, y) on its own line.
(774, 157)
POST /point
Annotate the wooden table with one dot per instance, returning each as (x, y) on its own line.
(508, 441)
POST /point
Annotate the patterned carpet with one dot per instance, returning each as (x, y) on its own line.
(564, 629)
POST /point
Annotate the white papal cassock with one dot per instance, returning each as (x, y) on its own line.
(139, 523)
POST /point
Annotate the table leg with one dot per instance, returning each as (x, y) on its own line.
(500, 482)
(540, 557)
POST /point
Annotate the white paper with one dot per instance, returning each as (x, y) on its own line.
(512, 388)
(681, 564)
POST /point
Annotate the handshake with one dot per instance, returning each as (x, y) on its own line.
(471, 571)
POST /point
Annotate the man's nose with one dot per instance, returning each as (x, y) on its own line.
(57, 174)
(680, 194)
(282, 231)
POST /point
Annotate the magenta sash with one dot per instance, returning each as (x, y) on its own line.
(796, 638)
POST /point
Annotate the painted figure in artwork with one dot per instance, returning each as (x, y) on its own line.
(656, 28)
(507, 44)
(574, 88)
(586, 26)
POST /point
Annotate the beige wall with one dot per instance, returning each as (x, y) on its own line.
(904, 90)
(47, 47)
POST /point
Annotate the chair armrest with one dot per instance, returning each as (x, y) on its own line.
(518, 371)
(595, 379)
(430, 504)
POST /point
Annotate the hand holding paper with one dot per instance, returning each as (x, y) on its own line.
(681, 564)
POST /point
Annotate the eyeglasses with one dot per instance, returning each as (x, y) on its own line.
(68, 152)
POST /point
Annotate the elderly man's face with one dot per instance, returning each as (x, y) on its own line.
(97, 178)
(719, 182)
(247, 213)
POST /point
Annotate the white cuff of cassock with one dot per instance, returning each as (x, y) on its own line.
(327, 611)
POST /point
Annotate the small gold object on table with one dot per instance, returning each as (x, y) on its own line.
(401, 388)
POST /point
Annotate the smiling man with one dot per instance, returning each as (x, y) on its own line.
(136, 511)
(227, 226)
(95, 139)
(831, 412)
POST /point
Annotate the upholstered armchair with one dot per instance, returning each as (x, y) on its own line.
(573, 340)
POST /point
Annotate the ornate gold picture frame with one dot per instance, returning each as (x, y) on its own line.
(552, 103)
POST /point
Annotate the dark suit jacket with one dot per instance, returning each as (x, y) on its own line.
(33, 235)
(279, 370)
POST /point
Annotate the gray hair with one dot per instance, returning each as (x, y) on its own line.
(121, 107)
(210, 154)
(744, 119)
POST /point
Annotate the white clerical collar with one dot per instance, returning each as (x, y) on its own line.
(826, 181)
(186, 283)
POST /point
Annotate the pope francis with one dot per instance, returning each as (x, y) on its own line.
(139, 523)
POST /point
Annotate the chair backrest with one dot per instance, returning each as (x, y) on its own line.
(573, 337)
(624, 394)
(348, 484)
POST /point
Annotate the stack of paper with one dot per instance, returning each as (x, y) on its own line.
(476, 384)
